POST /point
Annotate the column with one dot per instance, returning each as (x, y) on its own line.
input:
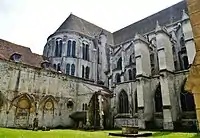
(100, 99)
(193, 81)
(166, 67)
(143, 72)
(188, 37)
(95, 65)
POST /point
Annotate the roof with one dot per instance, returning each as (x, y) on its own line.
(27, 57)
(164, 17)
(74, 23)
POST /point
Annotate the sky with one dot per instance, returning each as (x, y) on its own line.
(30, 22)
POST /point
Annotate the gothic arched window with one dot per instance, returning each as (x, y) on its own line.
(87, 52)
(118, 78)
(83, 51)
(67, 69)
(123, 102)
(72, 69)
(73, 48)
(187, 100)
(69, 44)
(87, 73)
(83, 71)
(158, 99)
(60, 48)
(119, 63)
(130, 74)
(57, 48)
(130, 59)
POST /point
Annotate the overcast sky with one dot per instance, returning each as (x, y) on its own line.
(30, 22)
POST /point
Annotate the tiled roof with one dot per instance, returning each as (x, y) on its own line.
(27, 57)
(78, 24)
(165, 17)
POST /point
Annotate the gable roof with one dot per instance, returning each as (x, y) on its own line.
(164, 17)
(27, 57)
(78, 24)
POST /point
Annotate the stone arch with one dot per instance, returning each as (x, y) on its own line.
(187, 99)
(47, 107)
(24, 104)
(123, 102)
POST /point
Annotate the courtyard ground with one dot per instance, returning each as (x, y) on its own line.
(16, 133)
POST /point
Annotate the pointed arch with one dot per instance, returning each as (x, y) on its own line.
(69, 45)
(158, 99)
(87, 73)
(67, 69)
(187, 99)
(72, 69)
(123, 102)
(73, 48)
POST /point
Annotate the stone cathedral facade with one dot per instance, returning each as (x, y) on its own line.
(88, 76)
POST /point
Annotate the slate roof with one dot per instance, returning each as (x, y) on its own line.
(80, 25)
(165, 17)
(27, 57)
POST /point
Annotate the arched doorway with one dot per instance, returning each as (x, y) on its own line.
(187, 100)
(123, 102)
(188, 116)
(158, 109)
(94, 111)
(158, 99)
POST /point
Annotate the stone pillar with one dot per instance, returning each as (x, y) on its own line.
(188, 37)
(143, 72)
(166, 66)
(193, 80)
(95, 65)
(100, 99)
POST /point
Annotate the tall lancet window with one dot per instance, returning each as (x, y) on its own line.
(57, 48)
(73, 48)
(87, 52)
(87, 73)
(72, 69)
(69, 45)
(60, 48)
(67, 69)
(123, 102)
(119, 63)
(83, 71)
(158, 99)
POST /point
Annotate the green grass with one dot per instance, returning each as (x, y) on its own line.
(15, 133)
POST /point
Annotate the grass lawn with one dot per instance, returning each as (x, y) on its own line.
(13, 133)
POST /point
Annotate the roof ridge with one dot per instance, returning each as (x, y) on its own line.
(150, 15)
(12, 43)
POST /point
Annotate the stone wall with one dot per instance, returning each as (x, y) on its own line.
(25, 91)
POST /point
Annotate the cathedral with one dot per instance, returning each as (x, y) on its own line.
(90, 77)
